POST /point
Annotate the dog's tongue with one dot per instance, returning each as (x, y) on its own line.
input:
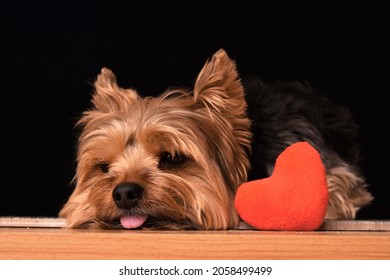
(133, 221)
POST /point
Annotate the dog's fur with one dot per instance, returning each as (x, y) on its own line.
(176, 161)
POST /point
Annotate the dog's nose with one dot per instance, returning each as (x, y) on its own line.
(126, 195)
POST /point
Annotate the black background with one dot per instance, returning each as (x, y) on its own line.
(50, 54)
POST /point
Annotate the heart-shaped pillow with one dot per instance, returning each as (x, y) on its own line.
(295, 197)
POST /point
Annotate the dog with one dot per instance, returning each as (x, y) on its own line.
(175, 161)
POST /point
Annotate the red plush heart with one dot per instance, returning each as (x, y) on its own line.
(295, 197)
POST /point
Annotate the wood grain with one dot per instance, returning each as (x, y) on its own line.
(54, 243)
(328, 225)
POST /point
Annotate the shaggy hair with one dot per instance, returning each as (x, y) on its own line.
(283, 113)
(176, 161)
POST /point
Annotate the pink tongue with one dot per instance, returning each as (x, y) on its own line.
(133, 221)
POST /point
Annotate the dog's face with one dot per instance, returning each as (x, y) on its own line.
(172, 162)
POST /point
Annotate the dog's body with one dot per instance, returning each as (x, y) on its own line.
(176, 161)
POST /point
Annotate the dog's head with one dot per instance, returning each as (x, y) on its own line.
(171, 162)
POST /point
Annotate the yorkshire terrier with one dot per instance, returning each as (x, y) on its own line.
(176, 161)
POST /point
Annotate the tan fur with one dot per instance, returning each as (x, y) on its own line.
(129, 133)
(123, 137)
(346, 194)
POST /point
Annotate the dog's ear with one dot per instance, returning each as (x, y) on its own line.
(218, 85)
(78, 212)
(108, 96)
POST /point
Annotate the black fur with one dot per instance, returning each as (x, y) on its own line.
(283, 113)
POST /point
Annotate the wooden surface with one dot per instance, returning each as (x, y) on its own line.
(328, 225)
(56, 243)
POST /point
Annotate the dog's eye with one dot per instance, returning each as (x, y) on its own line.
(170, 160)
(103, 167)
